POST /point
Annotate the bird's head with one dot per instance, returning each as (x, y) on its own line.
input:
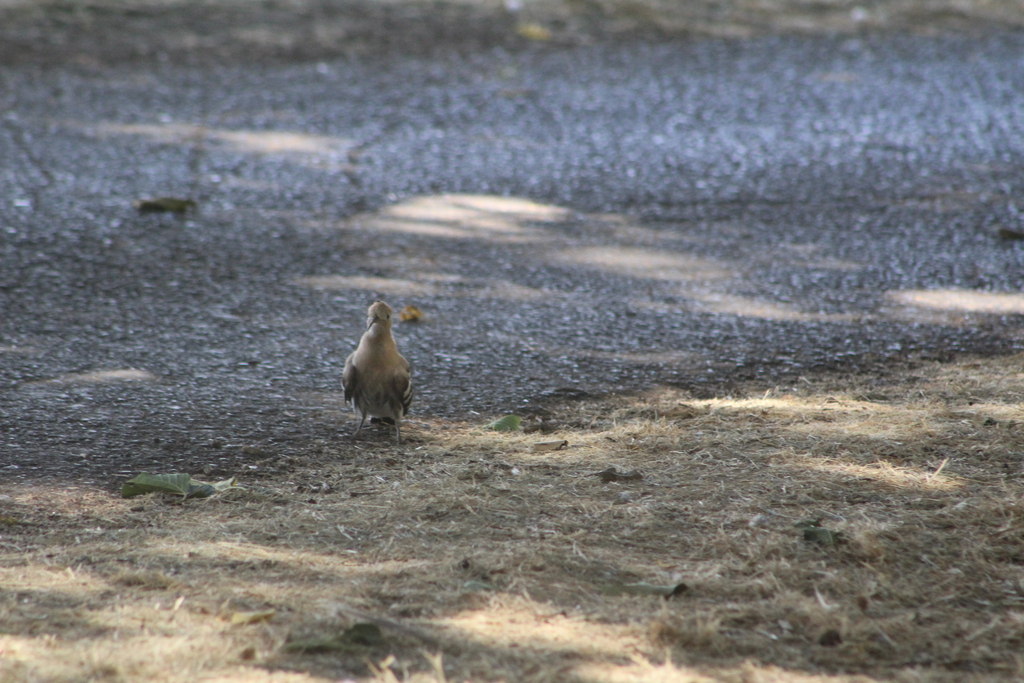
(379, 312)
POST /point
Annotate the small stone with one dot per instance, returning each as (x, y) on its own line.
(830, 638)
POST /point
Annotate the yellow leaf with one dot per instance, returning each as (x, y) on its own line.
(533, 32)
(239, 618)
(410, 314)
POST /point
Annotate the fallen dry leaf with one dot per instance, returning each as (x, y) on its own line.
(612, 474)
(239, 618)
(544, 446)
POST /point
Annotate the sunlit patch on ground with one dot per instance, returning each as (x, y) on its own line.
(666, 265)
(893, 476)
(245, 141)
(100, 377)
(485, 217)
(953, 306)
(746, 306)
(811, 255)
(10, 348)
(517, 623)
(428, 284)
(644, 671)
(384, 285)
(485, 211)
(702, 300)
(968, 301)
(648, 263)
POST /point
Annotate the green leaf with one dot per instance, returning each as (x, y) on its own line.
(164, 205)
(198, 489)
(156, 483)
(353, 639)
(178, 484)
(822, 536)
(509, 423)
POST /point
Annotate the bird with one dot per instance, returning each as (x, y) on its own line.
(377, 379)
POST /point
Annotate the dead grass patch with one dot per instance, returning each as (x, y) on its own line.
(508, 562)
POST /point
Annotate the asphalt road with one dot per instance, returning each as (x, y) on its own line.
(571, 219)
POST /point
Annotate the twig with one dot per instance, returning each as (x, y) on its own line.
(886, 637)
(984, 629)
(936, 472)
(821, 600)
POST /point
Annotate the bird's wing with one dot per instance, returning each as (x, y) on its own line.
(402, 388)
(349, 379)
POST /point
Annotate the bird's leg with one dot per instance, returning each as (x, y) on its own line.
(398, 429)
(361, 421)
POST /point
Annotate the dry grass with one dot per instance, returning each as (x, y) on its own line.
(510, 564)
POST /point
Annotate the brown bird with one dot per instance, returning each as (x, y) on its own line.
(377, 379)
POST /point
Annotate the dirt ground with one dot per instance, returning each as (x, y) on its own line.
(840, 529)
(855, 525)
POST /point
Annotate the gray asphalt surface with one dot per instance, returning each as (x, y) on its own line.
(571, 219)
